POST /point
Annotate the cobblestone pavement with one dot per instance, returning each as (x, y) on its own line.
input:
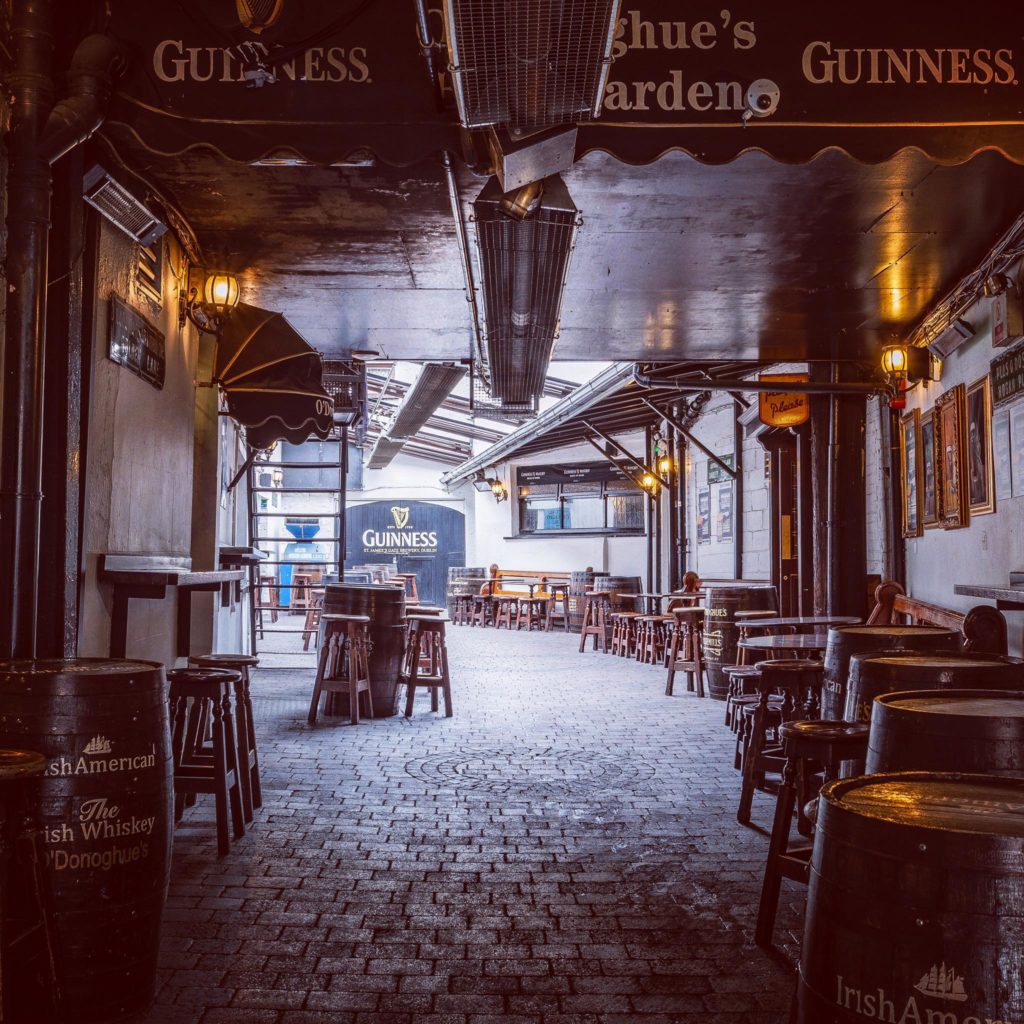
(563, 851)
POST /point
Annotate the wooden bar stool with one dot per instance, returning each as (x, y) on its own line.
(245, 726)
(311, 627)
(740, 685)
(686, 652)
(791, 679)
(596, 620)
(810, 748)
(198, 696)
(300, 591)
(559, 596)
(344, 665)
(462, 609)
(530, 610)
(422, 627)
(483, 610)
(409, 583)
(503, 615)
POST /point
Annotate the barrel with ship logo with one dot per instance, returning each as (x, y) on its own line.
(846, 641)
(913, 907)
(873, 674)
(384, 603)
(721, 630)
(579, 583)
(948, 730)
(105, 810)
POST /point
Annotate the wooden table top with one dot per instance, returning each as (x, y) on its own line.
(790, 642)
(804, 620)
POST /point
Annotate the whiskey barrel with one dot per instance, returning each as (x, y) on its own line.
(846, 641)
(579, 583)
(106, 816)
(873, 674)
(721, 630)
(912, 913)
(623, 587)
(948, 730)
(384, 603)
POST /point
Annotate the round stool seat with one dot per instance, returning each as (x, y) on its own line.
(807, 735)
(789, 666)
(20, 764)
(223, 660)
(761, 614)
(742, 671)
(338, 617)
(210, 676)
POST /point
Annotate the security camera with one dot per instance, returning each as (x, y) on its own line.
(762, 99)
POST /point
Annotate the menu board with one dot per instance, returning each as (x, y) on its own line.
(578, 473)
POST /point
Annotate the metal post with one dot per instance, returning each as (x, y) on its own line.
(737, 494)
(342, 502)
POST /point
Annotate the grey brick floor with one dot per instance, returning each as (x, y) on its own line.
(563, 851)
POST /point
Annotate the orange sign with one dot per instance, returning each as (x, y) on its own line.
(784, 408)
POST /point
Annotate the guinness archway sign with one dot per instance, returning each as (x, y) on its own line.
(712, 79)
(419, 536)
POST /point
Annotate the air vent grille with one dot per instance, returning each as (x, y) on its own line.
(524, 265)
(529, 64)
(120, 207)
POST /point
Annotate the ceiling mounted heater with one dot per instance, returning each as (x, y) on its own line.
(524, 263)
(529, 64)
(109, 197)
(384, 451)
(433, 385)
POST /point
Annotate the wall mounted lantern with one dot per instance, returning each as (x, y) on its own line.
(499, 490)
(219, 297)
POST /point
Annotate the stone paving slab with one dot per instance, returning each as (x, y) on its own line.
(563, 851)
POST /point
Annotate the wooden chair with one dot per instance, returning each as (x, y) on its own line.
(344, 665)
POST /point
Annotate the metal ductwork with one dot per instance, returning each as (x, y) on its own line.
(384, 451)
(433, 385)
(529, 64)
(524, 266)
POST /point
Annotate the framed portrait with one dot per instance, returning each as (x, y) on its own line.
(910, 459)
(981, 485)
(929, 476)
(1017, 449)
(1002, 454)
(949, 432)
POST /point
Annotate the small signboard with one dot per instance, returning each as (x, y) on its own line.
(136, 344)
(580, 473)
(1008, 375)
(715, 472)
(784, 408)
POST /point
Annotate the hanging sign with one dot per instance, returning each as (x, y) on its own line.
(1008, 375)
(783, 408)
(574, 473)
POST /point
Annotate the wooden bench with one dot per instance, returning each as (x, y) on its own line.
(515, 582)
(983, 627)
(149, 577)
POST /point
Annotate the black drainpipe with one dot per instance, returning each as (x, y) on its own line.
(34, 144)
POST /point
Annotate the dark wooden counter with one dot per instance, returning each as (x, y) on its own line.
(150, 577)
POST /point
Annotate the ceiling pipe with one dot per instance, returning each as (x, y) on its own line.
(795, 387)
(40, 134)
(467, 265)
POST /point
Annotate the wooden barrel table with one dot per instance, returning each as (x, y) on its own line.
(722, 630)
(871, 675)
(106, 816)
(948, 730)
(384, 603)
(913, 912)
(579, 584)
(623, 587)
(846, 641)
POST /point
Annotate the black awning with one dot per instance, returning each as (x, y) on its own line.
(271, 379)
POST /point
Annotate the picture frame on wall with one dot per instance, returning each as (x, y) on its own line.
(980, 472)
(950, 430)
(1017, 449)
(1002, 454)
(929, 474)
(910, 460)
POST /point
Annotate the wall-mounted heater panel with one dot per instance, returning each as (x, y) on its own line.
(110, 198)
(524, 263)
(529, 64)
(433, 385)
(384, 451)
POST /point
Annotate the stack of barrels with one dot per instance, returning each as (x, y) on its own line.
(910, 915)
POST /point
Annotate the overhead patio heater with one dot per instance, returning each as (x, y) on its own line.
(532, 64)
(433, 385)
(524, 264)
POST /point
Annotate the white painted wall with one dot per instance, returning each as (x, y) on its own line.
(140, 454)
(992, 545)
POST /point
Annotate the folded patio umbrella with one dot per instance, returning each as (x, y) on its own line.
(271, 379)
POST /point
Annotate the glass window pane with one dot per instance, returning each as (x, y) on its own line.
(581, 488)
(626, 511)
(583, 513)
(540, 514)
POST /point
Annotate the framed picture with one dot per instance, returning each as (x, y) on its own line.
(1017, 449)
(981, 483)
(1001, 454)
(949, 431)
(929, 476)
(910, 453)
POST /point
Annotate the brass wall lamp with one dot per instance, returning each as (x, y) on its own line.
(207, 310)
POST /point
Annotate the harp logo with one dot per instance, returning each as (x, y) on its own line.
(400, 515)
